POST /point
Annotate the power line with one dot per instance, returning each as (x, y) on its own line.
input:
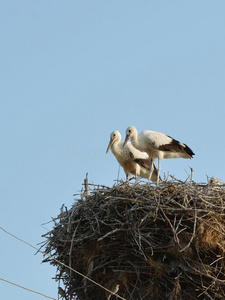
(56, 260)
(22, 287)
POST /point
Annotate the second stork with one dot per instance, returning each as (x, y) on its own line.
(157, 145)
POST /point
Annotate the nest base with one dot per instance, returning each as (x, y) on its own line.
(142, 242)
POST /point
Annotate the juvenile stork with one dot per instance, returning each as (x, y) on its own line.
(131, 159)
(157, 145)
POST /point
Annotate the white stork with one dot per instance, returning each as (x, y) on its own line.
(157, 145)
(132, 160)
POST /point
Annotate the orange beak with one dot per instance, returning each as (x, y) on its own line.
(111, 142)
(126, 140)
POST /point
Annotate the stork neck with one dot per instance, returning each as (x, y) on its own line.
(116, 147)
(134, 140)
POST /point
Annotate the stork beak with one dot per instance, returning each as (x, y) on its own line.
(111, 142)
(126, 140)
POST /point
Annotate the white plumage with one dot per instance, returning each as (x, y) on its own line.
(157, 145)
(131, 159)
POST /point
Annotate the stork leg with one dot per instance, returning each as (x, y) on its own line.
(127, 179)
(118, 175)
(137, 172)
(151, 170)
(159, 169)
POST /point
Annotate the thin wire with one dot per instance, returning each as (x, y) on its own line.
(118, 175)
(59, 262)
(22, 287)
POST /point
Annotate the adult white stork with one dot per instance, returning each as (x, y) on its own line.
(131, 159)
(157, 145)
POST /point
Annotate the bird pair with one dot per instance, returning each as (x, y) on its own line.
(138, 156)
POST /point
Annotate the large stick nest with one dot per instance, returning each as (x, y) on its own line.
(143, 242)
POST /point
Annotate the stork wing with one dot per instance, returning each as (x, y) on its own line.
(176, 146)
(154, 139)
(164, 142)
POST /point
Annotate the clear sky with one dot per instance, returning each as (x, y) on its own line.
(72, 72)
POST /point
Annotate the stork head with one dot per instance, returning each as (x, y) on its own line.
(130, 132)
(115, 136)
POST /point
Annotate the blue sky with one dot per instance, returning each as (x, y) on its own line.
(74, 71)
